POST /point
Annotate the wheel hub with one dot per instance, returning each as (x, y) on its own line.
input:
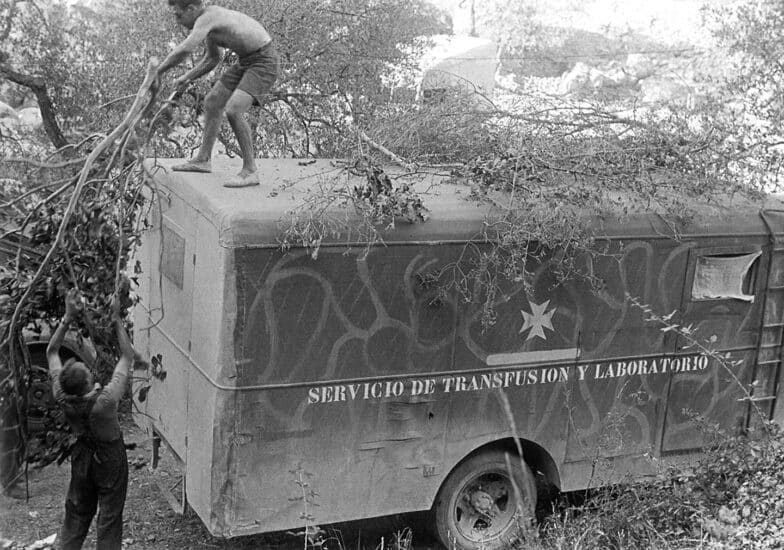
(482, 502)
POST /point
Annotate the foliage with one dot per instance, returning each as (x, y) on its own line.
(337, 59)
(88, 54)
(99, 235)
(750, 90)
(383, 203)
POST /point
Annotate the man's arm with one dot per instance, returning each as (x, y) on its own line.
(197, 36)
(72, 307)
(212, 57)
(116, 387)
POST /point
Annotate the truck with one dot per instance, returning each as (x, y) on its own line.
(358, 382)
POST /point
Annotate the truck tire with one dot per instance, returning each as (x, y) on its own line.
(486, 502)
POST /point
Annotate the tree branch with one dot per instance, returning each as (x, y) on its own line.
(141, 102)
(38, 87)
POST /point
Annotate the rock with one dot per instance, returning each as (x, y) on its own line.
(506, 82)
(728, 516)
(48, 542)
(717, 530)
(639, 66)
(620, 77)
(31, 117)
(138, 462)
(8, 112)
(576, 79)
(658, 90)
(601, 79)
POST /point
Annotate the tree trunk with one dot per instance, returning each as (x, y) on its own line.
(38, 87)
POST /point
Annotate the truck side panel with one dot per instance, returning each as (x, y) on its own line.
(328, 341)
(308, 327)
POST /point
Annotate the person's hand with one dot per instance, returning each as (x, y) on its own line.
(73, 304)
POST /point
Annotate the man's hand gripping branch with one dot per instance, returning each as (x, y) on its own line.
(74, 305)
(126, 349)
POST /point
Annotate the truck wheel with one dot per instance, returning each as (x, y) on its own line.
(485, 502)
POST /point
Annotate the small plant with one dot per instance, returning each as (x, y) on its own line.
(312, 535)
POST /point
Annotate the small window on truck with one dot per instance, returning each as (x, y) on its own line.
(173, 260)
(725, 276)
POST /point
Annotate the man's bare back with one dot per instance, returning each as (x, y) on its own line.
(229, 29)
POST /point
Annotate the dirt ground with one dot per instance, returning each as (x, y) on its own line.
(149, 521)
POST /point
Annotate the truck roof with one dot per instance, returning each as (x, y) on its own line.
(257, 216)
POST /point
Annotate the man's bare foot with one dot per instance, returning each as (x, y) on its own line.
(244, 179)
(202, 166)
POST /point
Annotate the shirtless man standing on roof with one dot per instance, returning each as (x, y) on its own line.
(251, 77)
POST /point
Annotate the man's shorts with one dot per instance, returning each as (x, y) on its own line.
(254, 73)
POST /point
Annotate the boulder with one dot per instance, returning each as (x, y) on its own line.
(9, 119)
(639, 66)
(8, 112)
(31, 117)
(599, 79)
(658, 90)
(620, 77)
(507, 82)
(576, 79)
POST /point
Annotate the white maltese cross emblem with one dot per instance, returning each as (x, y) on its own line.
(538, 320)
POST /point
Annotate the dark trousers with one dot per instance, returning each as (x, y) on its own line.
(99, 479)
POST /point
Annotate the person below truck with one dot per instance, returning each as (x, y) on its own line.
(99, 464)
(251, 77)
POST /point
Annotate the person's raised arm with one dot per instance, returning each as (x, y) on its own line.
(73, 304)
(117, 385)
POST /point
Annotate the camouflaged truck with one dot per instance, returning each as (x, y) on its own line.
(353, 372)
